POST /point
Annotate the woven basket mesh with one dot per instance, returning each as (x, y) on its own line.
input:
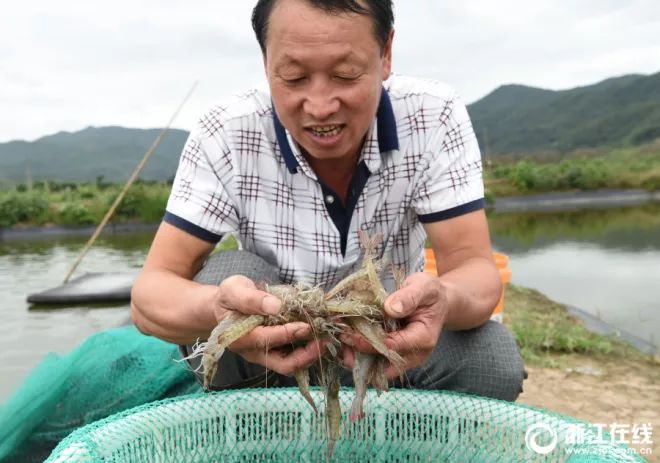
(277, 425)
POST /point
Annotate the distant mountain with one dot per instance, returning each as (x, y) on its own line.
(512, 119)
(111, 152)
(616, 112)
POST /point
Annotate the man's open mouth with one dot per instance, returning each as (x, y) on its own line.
(326, 130)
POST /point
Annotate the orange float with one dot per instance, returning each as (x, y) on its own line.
(502, 262)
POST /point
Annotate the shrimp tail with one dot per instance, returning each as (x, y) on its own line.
(302, 378)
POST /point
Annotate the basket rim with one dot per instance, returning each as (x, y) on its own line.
(81, 436)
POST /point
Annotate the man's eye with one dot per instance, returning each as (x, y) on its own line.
(293, 80)
(346, 78)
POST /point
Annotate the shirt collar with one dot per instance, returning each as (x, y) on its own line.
(386, 129)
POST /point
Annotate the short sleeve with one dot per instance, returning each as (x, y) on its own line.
(201, 199)
(452, 183)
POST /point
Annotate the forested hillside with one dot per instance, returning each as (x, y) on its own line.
(513, 119)
(617, 112)
(110, 152)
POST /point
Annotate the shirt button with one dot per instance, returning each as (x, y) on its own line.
(330, 199)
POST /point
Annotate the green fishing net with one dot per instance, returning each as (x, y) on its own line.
(99, 391)
(277, 425)
(110, 372)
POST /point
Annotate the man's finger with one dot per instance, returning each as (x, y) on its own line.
(413, 337)
(411, 361)
(358, 343)
(239, 293)
(288, 363)
(272, 337)
(347, 357)
(405, 301)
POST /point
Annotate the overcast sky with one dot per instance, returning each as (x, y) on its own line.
(68, 64)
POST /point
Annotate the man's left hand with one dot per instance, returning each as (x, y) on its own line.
(422, 306)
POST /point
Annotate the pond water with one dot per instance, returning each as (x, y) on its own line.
(26, 267)
(604, 262)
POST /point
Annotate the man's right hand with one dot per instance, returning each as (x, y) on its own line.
(270, 346)
(165, 303)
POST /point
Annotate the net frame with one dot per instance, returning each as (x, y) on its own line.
(278, 425)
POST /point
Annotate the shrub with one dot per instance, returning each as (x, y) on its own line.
(129, 207)
(75, 214)
(88, 191)
(523, 176)
(18, 207)
(145, 203)
(587, 175)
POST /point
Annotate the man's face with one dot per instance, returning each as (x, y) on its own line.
(325, 73)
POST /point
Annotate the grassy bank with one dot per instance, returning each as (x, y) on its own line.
(79, 204)
(637, 167)
(549, 336)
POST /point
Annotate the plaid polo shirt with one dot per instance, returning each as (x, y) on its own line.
(241, 173)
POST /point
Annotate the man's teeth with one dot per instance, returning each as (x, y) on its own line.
(327, 131)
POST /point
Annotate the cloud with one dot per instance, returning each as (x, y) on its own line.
(66, 65)
(478, 45)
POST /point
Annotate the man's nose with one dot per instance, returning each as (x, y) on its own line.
(321, 102)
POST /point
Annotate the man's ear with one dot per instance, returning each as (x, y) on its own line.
(387, 56)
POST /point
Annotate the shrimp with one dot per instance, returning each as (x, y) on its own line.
(375, 335)
(377, 376)
(347, 283)
(302, 378)
(369, 244)
(230, 329)
(355, 303)
(332, 407)
(361, 377)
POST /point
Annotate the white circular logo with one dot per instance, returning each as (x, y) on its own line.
(540, 430)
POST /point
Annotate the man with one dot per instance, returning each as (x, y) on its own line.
(337, 145)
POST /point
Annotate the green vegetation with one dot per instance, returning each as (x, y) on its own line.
(618, 112)
(547, 334)
(637, 167)
(16, 207)
(109, 152)
(621, 112)
(79, 204)
(72, 204)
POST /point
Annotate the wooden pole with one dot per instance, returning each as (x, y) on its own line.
(128, 184)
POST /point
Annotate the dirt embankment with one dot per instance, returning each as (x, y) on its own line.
(601, 392)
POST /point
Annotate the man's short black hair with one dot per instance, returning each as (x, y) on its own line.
(380, 10)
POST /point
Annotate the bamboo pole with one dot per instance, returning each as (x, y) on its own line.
(128, 184)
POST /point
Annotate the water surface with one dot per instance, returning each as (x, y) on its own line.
(26, 333)
(604, 262)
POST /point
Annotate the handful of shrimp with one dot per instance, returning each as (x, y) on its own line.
(354, 304)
